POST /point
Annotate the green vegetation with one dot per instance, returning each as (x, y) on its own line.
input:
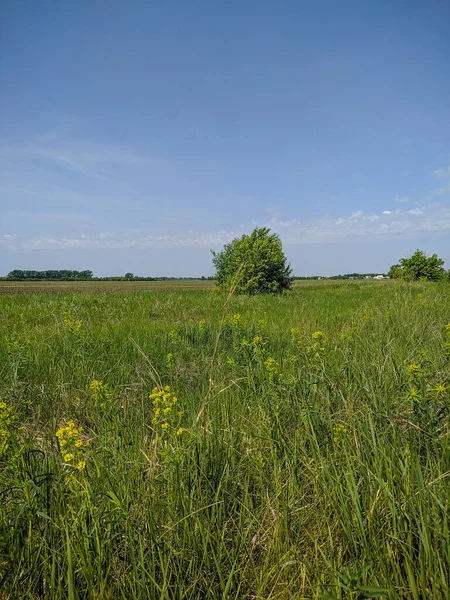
(67, 275)
(161, 445)
(419, 267)
(62, 274)
(253, 264)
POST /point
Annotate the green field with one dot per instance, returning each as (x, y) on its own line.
(301, 449)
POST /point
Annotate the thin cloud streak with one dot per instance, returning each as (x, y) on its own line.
(442, 172)
(431, 220)
(442, 191)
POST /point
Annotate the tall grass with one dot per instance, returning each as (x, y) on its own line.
(318, 466)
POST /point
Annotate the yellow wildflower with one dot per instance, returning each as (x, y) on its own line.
(274, 370)
(164, 415)
(318, 335)
(68, 457)
(339, 431)
(414, 395)
(440, 390)
(415, 370)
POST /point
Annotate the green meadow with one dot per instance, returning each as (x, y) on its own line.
(175, 444)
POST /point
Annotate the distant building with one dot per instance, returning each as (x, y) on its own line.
(379, 277)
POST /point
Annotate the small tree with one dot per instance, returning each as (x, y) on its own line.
(419, 267)
(129, 276)
(255, 263)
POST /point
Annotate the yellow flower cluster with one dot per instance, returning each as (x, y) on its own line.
(258, 343)
(71, 323)
(71, 445)
(101, 393)
(6, 414)
(237, 321)
(164, 414)
(339, 432)
(273, 369)
(319, 340)
(415, 371)
(319, 344)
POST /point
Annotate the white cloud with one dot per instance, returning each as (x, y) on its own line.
(431, 220)
(442, 172)
(401, 199)
(274, 211)
(110, 241)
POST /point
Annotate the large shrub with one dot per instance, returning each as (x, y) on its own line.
(253, 263)
(419, 267)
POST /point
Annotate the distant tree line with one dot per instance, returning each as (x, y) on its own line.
(69, 275)
(61, 274)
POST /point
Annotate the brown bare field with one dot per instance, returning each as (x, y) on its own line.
(45, 287)
(12, 288)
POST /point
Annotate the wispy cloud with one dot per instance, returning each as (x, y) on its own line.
(445, 172)
(401, 199)
(431, 220)
(86, 158)
(442, 191)
(110, 241)
(274, 211)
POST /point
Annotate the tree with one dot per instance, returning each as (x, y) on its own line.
(419, 267)
(129, 276)
(255, 263)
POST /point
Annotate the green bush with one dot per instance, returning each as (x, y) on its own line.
(419, 267)
(253, 263)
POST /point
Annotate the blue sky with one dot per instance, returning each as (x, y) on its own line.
(136, 136)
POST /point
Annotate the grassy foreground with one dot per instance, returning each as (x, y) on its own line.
(300, 450)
